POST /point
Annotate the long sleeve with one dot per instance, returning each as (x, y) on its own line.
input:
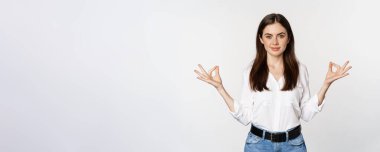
(309, 104)
(243, 106)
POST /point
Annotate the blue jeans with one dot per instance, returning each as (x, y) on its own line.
(259, 144)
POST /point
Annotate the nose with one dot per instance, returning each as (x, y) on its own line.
(275, 41)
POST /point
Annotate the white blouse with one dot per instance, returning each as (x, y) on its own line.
(276, 110)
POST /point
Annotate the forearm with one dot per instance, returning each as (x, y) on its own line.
(227, 98)
(322, 93)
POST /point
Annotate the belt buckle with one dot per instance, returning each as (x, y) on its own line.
(274, 137)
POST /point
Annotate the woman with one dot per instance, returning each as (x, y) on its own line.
(275, 93)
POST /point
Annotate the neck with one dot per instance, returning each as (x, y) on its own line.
(275, 62)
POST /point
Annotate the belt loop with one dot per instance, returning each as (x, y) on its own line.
(287, 136)
(263, 134)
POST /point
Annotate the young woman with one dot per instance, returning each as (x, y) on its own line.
(275, 93)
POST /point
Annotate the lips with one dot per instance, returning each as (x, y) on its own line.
(275, 48)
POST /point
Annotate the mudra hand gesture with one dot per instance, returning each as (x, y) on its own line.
(339, 73)
(208, 77)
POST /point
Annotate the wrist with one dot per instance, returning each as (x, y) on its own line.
(220, 88)
(327, 84)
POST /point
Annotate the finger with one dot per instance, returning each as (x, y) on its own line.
(346, 74)
(348, 68)
(335, 65)
(345, 64)
(200, 74)
(210, 71)
(203, 79)
(203, 70)
(206, 80)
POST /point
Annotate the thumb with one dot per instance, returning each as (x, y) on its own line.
(330, 66)
(217, 70)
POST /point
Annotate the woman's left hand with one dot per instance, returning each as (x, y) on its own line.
(339, 73)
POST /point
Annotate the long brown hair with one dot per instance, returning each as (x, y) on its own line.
(259, 72)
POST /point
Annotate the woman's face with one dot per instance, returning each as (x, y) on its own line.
(275, 39)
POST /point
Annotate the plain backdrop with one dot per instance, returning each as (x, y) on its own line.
(117, 76)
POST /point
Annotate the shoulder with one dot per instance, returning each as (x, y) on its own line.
(301, 66)
(302, 69)
(248, 67)
(303, 72)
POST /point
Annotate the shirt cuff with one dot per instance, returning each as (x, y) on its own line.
(236, 108)
(316, 101)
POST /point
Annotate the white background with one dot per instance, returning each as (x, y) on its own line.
(116, 75)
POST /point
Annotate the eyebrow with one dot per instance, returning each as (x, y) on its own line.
(277, 34)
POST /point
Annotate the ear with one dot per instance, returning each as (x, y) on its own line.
(261, 40)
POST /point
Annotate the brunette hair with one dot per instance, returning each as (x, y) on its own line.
(259, 72)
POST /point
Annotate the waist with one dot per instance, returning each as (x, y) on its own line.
(276, 136)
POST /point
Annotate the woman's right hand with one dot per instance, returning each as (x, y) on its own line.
(215, 80)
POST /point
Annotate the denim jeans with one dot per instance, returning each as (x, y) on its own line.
(259, 144)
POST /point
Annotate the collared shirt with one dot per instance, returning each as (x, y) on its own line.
(276, 110)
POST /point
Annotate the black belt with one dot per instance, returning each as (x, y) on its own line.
(277, 137)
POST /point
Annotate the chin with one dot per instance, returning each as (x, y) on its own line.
(275, 53)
